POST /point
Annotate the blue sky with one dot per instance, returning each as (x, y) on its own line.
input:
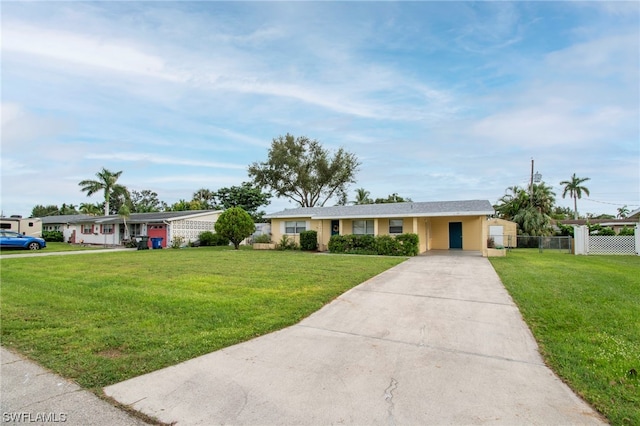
(439, 100)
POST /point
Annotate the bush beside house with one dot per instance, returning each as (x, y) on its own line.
(53, 236)
(208, 238)
(384, 245)
(309, 240)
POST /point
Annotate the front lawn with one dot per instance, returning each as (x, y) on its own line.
(51, 247)
(585, 314)
(105, 317)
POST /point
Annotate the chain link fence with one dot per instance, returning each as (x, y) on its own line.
(563, 244)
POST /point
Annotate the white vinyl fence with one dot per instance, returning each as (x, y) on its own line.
(606, 244)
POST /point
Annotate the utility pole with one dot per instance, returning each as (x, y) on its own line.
(531, 181)
(537, 178)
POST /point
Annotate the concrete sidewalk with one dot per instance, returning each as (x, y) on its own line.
(435, 340)
(29, 394)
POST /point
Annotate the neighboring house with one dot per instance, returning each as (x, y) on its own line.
(31, 227)
(110, 230)
(503, 232)
(439, 225)
(635, 215)
(615, 224)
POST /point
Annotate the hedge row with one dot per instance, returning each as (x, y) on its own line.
(53, 236)
(400, 245)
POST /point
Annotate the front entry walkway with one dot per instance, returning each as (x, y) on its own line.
(435, 340)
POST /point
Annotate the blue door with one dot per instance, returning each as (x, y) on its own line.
(455, 235)
(335, 227)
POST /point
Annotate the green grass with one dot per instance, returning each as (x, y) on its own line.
(52, 247)
(105, 317)
(585, 314)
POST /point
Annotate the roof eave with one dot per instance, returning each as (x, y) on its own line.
(388, 215)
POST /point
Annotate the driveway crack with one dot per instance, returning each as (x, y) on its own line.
(388, 397)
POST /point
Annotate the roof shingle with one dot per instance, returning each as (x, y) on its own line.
(421, 209)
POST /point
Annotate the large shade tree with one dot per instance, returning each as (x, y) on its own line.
(247, 196)
(301, 170)
(145, 201)
(574, 187)
(106, 183)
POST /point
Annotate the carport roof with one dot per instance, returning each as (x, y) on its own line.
(422, 209)
(134, 218)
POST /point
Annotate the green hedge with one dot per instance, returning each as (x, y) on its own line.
(386, 245)
(208, 238)
(309, 240)
(53, 236)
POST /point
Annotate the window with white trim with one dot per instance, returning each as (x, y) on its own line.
(86, 229)
(395, 226)
(107, 229)
(295, 227)
(363, 227)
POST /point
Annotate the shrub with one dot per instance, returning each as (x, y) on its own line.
(409, 244)
(309, 240)
(387, 245)
(177, 242)
(131, 243)
(208, 238)
(287, 243)
(491, 242)
(400, 245)
(337, 244)
(627, 231)
(598, 229)
(53, 236)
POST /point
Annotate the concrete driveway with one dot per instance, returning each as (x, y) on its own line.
(435, 340)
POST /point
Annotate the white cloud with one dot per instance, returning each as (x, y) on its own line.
(164, 160)
(83, 50)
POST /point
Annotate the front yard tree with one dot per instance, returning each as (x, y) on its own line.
(574, 188)
(303, 171)
(106, 183)
(247, 196)
(236, 225)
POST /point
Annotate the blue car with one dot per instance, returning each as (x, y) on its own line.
(10, 239)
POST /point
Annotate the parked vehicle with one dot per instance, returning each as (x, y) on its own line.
(10, 239)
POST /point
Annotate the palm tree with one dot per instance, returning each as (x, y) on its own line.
(514, 199)
(362, 197)
(575, 189)
(90, 209)
(543, 198)
(623, 212)
(125, 213)
(205, 197)
(106, 182)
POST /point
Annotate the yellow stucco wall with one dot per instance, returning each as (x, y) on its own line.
(472, 232)
(509, 230)
(433, 233)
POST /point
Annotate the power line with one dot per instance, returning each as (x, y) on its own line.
(613, 204)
